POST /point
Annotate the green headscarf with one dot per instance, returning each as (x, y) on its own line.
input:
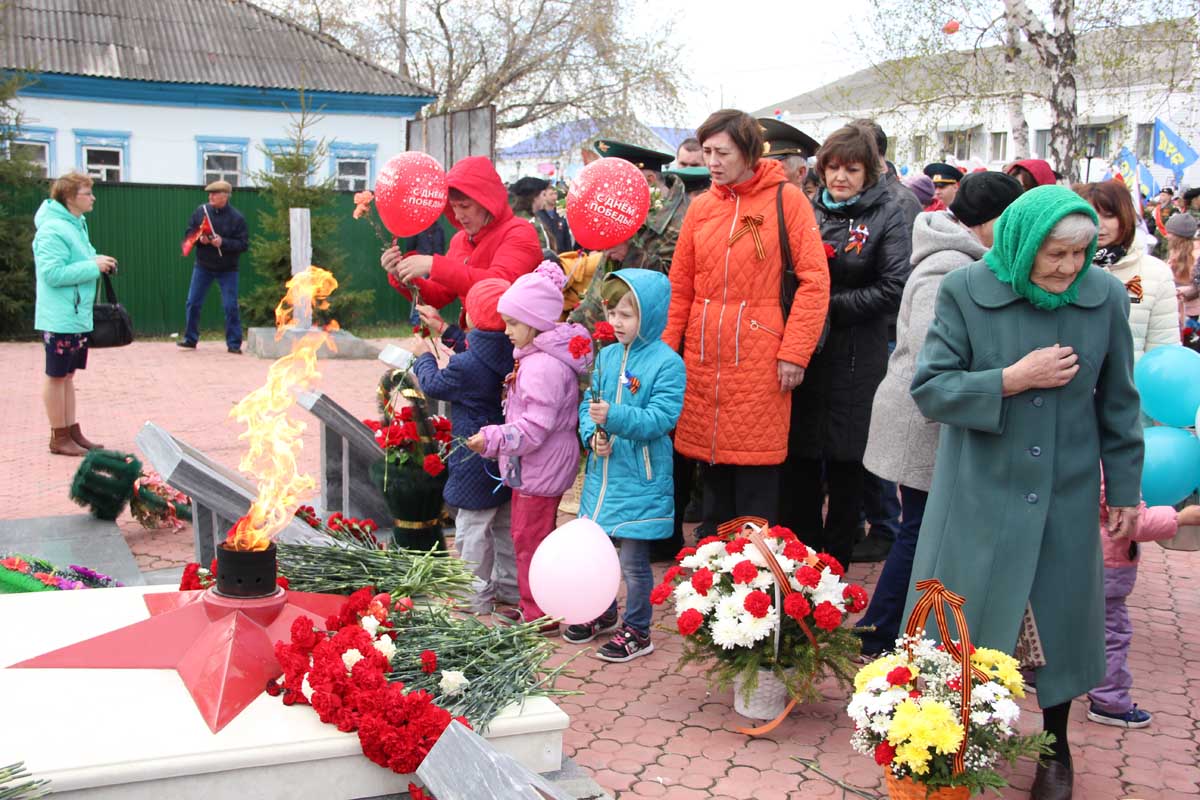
(1019, 234)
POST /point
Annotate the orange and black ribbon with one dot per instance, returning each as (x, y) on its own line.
(1134, 287)
(750, 224)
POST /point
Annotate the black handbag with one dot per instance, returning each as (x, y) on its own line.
(790, 281)
(111, 325)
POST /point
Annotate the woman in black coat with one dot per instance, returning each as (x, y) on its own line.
(869, 245)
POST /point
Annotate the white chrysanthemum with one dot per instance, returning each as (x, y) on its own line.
(683, 591)
(370, 624)
(786, 564)
(306, 688)
(693, 561)
(881, 723)
(1006, 711)
(764, 581)
(829, 590)
(385, 645)
(731, 560)
(710, 551)
(452, 682)
(351, 657)
(987, 693)
(981, 718)
(726, 632)
(757, 629)
(756, 558)
(699, 602)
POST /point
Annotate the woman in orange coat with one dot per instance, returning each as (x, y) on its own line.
(743, 359)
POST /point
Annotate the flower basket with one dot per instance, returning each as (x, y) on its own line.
(940, 717)
(768, 611)
(908, 789)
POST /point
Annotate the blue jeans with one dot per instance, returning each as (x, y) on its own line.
(202, 279)
(881, 506)
(887, 605)
(639, 580)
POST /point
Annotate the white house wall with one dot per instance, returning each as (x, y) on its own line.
(162, 145)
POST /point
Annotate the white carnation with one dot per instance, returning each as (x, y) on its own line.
(385, 645)
(452, 682)
(351, 657)
(370, 624)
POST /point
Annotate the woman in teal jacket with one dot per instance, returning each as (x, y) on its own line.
(67, 269)
(629, 488)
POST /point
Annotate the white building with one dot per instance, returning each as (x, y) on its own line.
(1126, 78)
(190, 92)
(556, 153)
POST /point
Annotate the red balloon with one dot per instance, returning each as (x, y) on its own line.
(410, 193)
(607, 203)
(950, 27)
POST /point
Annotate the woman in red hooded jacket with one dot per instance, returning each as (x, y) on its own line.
(491, 242)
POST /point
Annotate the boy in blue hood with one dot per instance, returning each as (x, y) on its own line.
(629, 487)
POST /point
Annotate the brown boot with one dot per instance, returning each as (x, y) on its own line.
(81, 440)
(62, 444)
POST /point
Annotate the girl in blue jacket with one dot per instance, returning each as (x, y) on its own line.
(629, 488)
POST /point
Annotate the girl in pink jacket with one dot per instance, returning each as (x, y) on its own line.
(1111, 703)
(538, 446)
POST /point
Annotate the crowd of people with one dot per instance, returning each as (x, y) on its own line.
(936, 372)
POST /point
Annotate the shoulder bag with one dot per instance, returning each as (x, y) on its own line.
(789, 281)
(111, 325)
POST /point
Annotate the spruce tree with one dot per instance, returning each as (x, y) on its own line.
(21, 182)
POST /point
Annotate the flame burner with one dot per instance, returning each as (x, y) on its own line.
(245, 573)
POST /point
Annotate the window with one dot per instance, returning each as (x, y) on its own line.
(957, 144)
(103, 154)
(919, 145)
(274, 148)
(1041, 144)
(1000, 146)
(37, 153)
(103, 163)
(352, 166)
(1097, 135)
(221, 158)
(1145, 141)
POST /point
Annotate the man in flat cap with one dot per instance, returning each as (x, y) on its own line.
(526, 196)
(945, 181)
(790, 146)
(217, 230)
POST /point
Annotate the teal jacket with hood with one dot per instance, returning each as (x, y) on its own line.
(66, 271)
(631, 492)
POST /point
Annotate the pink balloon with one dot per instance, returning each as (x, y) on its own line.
(410, 193)
(607, 203)
(574, 573)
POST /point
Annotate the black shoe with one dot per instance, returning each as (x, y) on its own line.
(873, 548)
(585, 632)
(235, 350)
(693, 512)
(186, 343)
(625, 645)
(704, 529)
(1053, 781)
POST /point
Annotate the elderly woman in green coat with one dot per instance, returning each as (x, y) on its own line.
(1028, 365)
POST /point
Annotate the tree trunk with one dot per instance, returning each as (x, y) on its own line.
(1016, 97)
(1063, 96)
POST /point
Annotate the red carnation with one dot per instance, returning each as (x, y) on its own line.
(604, 333)
(274, 689)
(281, 581)
(796, 607)
(780, 532)
(417, 793)
(827, 616)
(884, 752)
(914, 694)
(758, 603)
(707, 540)
(900, 676)
(660, 594)
(736, 546)
(744, 572)
(857, 597)
(428, 662)
(834, 565)
(689, 621)
(191, 578)
(808, 576)
(579, 346)
(795, 550)
(671, 574)
(684, 553)
(830, 251)
(702, 580)
(433, 465)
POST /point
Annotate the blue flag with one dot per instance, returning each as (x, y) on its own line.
(1146, 183)
(1126, 166)
(1171, 151)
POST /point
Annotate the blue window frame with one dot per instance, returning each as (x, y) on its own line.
(41, 142)
(221, 158)
(276, 146)
(103, 154)
(352, 166)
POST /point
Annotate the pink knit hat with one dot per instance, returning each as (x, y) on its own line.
(536, 298)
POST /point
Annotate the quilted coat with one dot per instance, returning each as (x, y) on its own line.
(66, 271)
(471, 381)
(1154, 318)
(832, 408)
(725, 281)
(538, 444)
(631, 492)
(507, 247)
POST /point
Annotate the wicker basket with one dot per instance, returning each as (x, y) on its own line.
(909, 789)
(767, 701)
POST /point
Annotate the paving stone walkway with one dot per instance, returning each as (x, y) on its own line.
(641, 729)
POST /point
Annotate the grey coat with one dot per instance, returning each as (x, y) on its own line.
(1015, 503)
(901, 443)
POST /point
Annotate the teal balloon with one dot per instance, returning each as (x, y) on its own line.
(1171, 470)
(1168, 379)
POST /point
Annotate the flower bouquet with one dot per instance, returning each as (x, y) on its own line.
(939, 717)
(413, 471)
(768, 610)
(20, 573)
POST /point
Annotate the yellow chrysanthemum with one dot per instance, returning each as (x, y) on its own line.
(925, 724)
(913, 756)
(878, 668)
(1001, 667)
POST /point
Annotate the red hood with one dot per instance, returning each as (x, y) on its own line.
(768, 173)
(475, 177)
(1039, 169)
